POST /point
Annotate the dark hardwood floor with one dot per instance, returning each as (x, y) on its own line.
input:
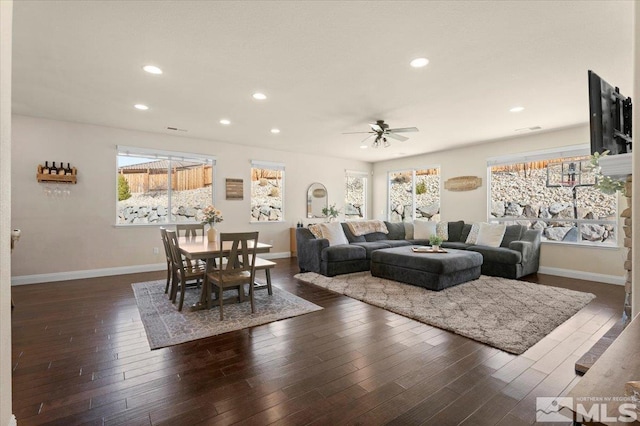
(80, 356)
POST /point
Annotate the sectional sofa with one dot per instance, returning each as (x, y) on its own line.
(518, 254)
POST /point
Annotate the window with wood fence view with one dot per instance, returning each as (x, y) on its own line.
(556, 196)
(267, 193)
(152, 190)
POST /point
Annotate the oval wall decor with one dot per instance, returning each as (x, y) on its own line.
(319, 193)
(463, 183)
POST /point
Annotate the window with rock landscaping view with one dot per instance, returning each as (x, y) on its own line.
(556, 196)
(267, 192)
(156, 187)
(355, 195)
(414, 194)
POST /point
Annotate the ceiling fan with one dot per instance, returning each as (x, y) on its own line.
(382, 131)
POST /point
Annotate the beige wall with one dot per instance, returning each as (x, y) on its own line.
(5, 211)
(78, 233)
(471, 206)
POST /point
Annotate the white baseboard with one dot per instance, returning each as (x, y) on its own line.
(104, 272)
(13, 421)
(581, 275)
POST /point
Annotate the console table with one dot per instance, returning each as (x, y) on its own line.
(619, 364)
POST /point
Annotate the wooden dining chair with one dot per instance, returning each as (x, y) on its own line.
(167, 253)
(190, 230)
(182, 272)
(240, 269)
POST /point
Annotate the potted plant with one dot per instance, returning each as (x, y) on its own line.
(331, 212)
(435, 242)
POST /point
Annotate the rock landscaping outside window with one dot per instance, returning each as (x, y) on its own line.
(526, 193)
(162, 191)
(355, 196)
(414, 194)
(267, 193)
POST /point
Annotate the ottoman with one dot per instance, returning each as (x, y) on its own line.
(434, 271)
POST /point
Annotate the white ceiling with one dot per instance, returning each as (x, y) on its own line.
(327, 68)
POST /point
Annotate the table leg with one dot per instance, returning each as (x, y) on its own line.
(205, 294)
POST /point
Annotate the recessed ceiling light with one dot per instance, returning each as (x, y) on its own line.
(517, 109)
(259, 96)
(419, 62)
(141, 107)
(363, 146)
(152, 69)
(275, 131)
(225, 122)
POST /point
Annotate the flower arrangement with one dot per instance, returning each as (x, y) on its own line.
(434, 240)
(331, 211)
(211, 215)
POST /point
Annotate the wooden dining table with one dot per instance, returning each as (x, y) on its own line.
(200, 248)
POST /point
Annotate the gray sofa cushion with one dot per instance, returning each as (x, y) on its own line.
(512, 233)
(375, 236)
(455, 230)
(455, 245)
(498, 254)
(420, 242)
(370, 247)
(343, 252)
(466, 228)
(396, 230)
(352, 238)
(395, 243)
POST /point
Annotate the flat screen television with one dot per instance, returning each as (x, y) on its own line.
(610, 117)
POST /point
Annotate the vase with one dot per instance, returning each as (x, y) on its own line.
(212, 234)
(435, 248)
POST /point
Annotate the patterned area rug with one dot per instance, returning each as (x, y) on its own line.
(507, 314)
(165, 326)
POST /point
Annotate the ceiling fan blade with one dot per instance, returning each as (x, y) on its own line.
(396, 137)
(353, 133)
(367, 138)
(375, 127)
(403, 129)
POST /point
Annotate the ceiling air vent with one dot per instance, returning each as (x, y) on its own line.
(175, 129)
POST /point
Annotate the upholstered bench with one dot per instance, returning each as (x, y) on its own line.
(434, 271)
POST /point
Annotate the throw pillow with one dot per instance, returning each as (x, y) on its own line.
(473, 234)
(442, 230)
(490, 234)
(423, 229)
(408, 230)
(333, 232)
(316, 230)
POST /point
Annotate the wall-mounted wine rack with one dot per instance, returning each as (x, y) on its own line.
(44, 175)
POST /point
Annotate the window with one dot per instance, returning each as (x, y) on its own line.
(355, 203)
(414, 194)
(267, 192)
(553, 191)
(162, 187)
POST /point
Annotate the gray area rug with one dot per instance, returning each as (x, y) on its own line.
(507, 314)
(165, 326)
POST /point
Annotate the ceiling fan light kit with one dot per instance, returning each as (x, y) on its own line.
(382, 131)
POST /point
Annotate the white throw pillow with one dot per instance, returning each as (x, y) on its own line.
(473, 234)
(333, 232)
(442, 230)
(490, 234)
(423, 229)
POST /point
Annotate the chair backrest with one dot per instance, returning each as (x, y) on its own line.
(174, 249)
(165, 243)
(242, 252)
(190, 230)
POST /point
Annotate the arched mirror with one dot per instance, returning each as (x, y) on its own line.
(317, 200)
